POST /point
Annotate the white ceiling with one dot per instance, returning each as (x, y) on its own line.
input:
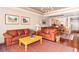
(71, 11)
(42, 10)
(54, 11)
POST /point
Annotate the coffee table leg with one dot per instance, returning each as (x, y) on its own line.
(41, 41)
(25, 47)
(19, 43)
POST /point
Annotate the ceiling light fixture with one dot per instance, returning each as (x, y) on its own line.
(46, 9)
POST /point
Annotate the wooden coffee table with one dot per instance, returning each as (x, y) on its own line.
(28, 40)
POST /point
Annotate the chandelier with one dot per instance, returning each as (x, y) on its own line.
(46, 9)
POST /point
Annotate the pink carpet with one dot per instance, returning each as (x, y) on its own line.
(47, 46)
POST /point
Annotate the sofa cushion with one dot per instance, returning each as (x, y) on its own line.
(7, 36)
(15, 38)
(20, 32)
(26, 31)
(23, 36)
(52, 30)
(46, 31)
(12, 32)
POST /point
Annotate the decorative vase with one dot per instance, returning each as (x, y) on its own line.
(31, 34)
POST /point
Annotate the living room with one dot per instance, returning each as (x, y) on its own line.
(30, 18)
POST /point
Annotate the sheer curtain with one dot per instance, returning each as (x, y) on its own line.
(75, 23)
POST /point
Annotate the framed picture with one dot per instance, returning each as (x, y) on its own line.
(43, 22)
(25, 20)
(11, 19)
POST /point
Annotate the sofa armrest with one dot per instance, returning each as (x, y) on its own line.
(7, 36)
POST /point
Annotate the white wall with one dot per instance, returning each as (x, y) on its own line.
(47, 20)
(61, 20)
(34, 19)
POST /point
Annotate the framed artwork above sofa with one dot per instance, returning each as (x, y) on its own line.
(43, 21)
(25, 20)
(11, 19)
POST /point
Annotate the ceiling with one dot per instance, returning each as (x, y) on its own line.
(46, 9)
(42, 10)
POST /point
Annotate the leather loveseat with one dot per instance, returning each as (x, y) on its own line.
(11, 36)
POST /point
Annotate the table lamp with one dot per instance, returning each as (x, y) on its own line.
(37, 27)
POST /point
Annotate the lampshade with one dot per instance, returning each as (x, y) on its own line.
(37, 27)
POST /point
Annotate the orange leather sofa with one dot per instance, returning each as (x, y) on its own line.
(48, 33)
(11, 36)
